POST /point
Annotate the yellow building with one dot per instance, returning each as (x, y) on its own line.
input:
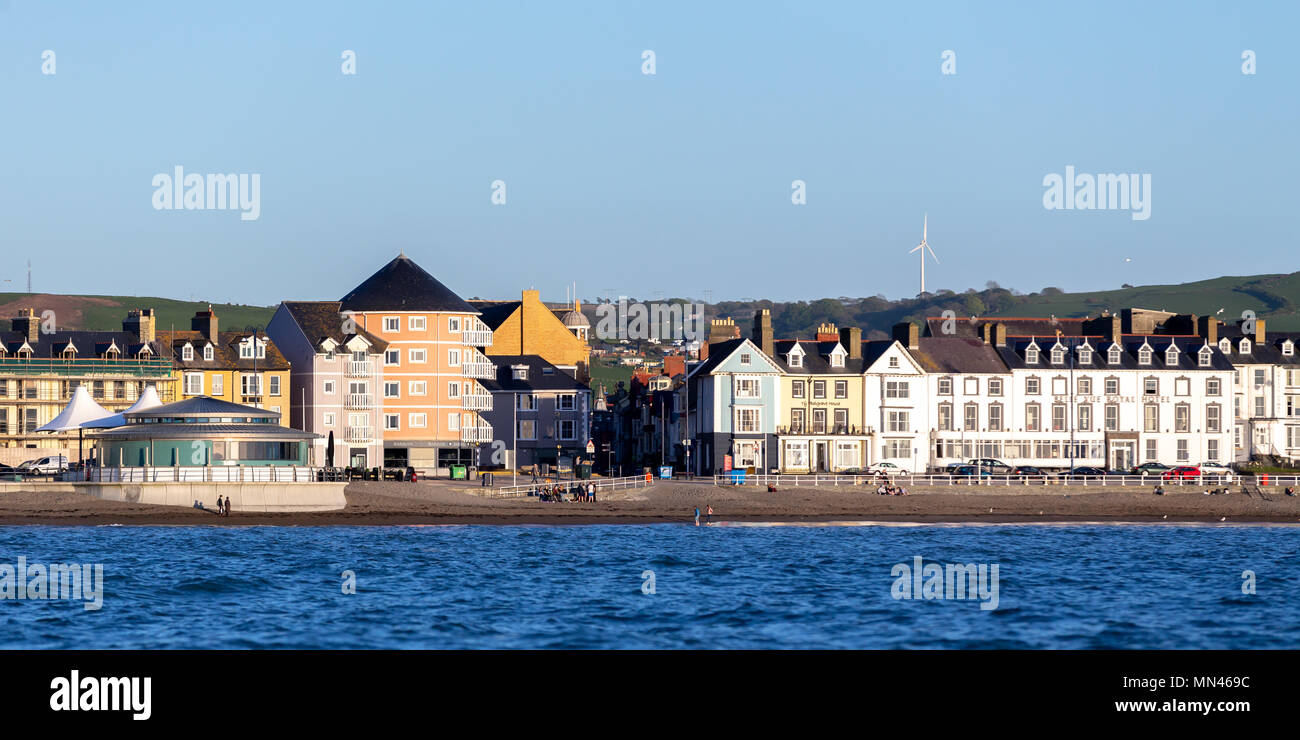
(557, 334)
(238, 366)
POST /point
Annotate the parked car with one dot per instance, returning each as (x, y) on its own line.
(970, 471)
(1085, 472)
(887, 468)
(997, 467)
(1182, 472)
(1151, 468)
(1223, 472)
(45, 465)
(1027, 470)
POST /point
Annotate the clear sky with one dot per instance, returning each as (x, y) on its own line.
(677, 182)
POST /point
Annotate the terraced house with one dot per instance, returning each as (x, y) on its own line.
(40, 370)
(243, 367)
(432, 397)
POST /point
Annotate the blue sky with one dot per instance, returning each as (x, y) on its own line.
(673, 184)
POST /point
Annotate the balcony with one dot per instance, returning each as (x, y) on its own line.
(359, 369)
(820, 430)
(480, 433)
(477, 365)
(357, 435)
(476, 402)
(476, 334)
(358, 401)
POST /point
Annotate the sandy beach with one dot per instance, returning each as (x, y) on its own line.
(441, 502)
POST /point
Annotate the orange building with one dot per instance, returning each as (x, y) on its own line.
(557, 334)
(431, 395)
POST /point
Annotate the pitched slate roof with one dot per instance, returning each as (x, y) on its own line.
(320, 320)
(964, 326)
(225, 351)
(542, 376)
(89, 344)
(1189, 348)
(950, 354)
(1268, 353)
(402, 285)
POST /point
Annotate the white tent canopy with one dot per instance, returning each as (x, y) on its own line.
(147, 400)
(80, 410)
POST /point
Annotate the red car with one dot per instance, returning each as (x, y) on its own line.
(1182, 472)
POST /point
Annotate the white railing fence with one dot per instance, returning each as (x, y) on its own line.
(602, 484)
(210, 474)
(1150, 481)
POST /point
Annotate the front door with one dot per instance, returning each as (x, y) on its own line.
(357, 459)
(1122, 455)
(821, 457)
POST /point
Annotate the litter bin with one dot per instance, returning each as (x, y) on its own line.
(584, 470)
(458, 472)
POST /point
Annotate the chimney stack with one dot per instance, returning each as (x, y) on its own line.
(762, 335)
(1259, 331)
(999, 334)
(851, 338)
(205, 323)
(141, 323)
(1208, 327)
(827, 332)
(908, 335)
(27, 324)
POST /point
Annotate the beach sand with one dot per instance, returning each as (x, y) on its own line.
(442, 502)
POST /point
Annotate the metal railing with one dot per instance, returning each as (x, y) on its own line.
(358, 401)
(358, 434)
(476, 402)
(602, 484)
(480, 433)
(208, 474)
(941, 479)
(476, 333)
(359, 369)
(477, 365)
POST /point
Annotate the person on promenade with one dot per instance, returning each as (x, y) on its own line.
(533, 470)
(697, 516)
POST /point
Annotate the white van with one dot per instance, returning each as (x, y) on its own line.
(44, 465)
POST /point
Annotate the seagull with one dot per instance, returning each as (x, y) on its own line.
(1223, 518)
(1128, 259)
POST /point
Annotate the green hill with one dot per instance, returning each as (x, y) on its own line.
(100, 312)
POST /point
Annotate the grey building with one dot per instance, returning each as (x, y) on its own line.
(540, 413)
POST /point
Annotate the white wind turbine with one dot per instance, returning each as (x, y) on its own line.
(923, 247)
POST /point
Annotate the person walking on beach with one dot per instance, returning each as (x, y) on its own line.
(227, 512)
(708, 517)
(697, 516)
(220, 508)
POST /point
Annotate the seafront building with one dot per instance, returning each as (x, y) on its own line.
(243, 367)
(432, 400)
(40, 370)
(540, 413)
(557, 334)
(337, 372)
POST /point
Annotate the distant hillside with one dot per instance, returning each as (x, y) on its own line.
(1271, 297)
(103, 312)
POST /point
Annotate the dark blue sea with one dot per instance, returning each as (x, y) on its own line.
(1059, 586)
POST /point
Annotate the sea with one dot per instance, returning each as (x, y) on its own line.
(730, 585)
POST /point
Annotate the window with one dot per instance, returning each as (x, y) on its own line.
(744, 358)
(796, 389)
(747, 419)
(453, 422)
(995, 386)
(1144, 356)
(565, 401)
(1058, 417)
(1244, 347)
(1058, 355)
(897, 389)
(417, 355)
(841, 389)
(1113, 355)
(526, 429)
(1031, 355)
(1260, 407)
(819, 421)
(526, 402)
(1225, 346)
(897, 449)
(568, 428)
(245, 350)
(1205, 356)
(841, 421)
(453, 357)
(796, 453)
(837, 359)
(972, 416)
(1084, 417)
(945, 386)
(392, 357)
(1085, 355)
(193, 384)
(945, 417)
(846, 455)
(1151, 386)
(329, 418)
(187, 353)
(795, 359)
(1032, 420)
(421, 388)
(1213, 418)
(1213, 387)
(1153, 450)
(328, 387)
(392, 389)
(796, 421)
(1182, 387)
(819, 389)
(1083, 386)
(416, 323)
(1112, 386)
(1183, 452)
(274, 383)
(453, 324)
(207, 353)
(1150, 418)
(1112, 417)
(392, 324)
(391, 421)
(1032, 386)
(1259, 377)
(1212, 450)
(899, 421)
(251, 385)
(893, 363)
(453, 389)
(218, 385)
(995, 417)
(1288, 348)
(418, 421)
(747, 388)
(1171, 356)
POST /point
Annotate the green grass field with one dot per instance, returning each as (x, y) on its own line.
(610, 375)
(105, 313)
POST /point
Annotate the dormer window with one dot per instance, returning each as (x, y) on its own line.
(1058, 355)
(1205, 356)
(1288, 348)
(1171, 355)
(187, 353)
(25, 353)
(69, 353)
(1031, 355)
(795, 357)
(1113, 355)
(1225, 346)
(1244, 347)
(1144, 356)
(111, 353)
(519, 372)
(207, 353)
(144, 351)
(837, 360)
(1085, 355)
